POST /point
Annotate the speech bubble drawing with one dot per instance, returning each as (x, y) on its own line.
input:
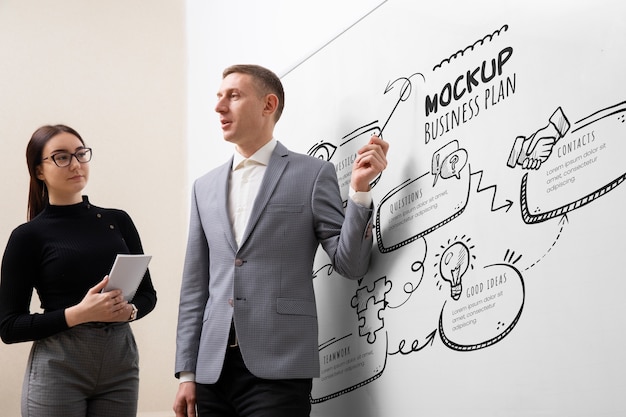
(453, 164)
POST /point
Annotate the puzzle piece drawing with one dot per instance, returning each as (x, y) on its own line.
(369, 304)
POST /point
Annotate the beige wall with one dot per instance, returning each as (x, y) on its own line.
(115, 71)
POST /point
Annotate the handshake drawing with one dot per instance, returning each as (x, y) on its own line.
(530, 152)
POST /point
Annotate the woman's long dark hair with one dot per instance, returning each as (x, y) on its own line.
(37, 192)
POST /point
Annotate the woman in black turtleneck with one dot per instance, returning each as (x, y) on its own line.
(84, 359)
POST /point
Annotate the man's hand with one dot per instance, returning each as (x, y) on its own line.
(369, 163)
(185, 402)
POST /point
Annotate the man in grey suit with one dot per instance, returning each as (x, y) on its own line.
(247, 338)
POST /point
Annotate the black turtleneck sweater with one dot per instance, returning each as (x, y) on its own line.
(62, 253)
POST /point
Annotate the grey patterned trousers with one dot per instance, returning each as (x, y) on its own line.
(89, 370)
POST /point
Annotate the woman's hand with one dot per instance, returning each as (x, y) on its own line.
(98, 306)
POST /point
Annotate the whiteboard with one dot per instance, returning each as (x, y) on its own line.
(496, 278)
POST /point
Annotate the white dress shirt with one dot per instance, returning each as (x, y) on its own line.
(244, 183)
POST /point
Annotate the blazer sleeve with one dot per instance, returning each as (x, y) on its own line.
(345, 237)
(194, 292)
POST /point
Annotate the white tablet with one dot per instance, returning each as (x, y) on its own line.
(127, 273)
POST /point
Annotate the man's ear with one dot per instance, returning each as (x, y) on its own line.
(271, 103)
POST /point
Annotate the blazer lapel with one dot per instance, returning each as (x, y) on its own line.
(222, 179)
(275, 168)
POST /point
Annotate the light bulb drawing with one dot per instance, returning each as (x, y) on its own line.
(453, 265)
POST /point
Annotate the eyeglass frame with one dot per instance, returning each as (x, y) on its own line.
(53, 157)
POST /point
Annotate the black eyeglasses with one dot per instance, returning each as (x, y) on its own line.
(64, 159)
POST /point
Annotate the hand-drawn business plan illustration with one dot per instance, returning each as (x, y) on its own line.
(497, 144)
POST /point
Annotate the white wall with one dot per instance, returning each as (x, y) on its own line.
(115, 71)
(139, 78)
(550, 344)
(278, 34)
(118, 71)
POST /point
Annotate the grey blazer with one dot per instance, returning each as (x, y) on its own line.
(265, 285)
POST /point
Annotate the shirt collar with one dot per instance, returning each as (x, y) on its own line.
(261, 157)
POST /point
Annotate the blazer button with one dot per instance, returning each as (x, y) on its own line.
(238, 262)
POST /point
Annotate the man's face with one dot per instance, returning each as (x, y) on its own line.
(241, 110)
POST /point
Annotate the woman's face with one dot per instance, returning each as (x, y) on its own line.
(65, 184)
